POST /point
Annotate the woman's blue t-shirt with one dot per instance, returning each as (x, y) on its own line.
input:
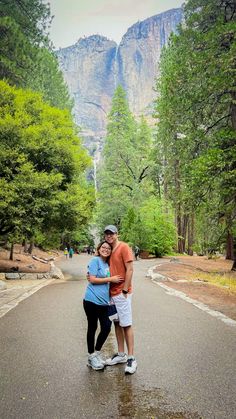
(98, 293)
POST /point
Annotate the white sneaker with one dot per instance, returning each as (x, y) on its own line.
(131, 366)
(99, 357)
(94, 362)
(116, 359)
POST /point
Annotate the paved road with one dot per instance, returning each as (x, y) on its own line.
(186, 358)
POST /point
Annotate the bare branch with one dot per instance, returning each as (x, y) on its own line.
(216, 123)
(142, 174)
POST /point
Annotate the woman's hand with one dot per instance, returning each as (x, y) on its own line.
(116, 279)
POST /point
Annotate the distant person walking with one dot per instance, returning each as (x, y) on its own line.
(71, 252)
(121, 263)
(96, 303)
(66, 252)
(136, 252)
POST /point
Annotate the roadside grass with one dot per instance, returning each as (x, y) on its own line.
(225, 280)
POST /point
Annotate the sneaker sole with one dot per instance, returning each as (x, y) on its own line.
(130, 373)
(115, 363)
(96, 369)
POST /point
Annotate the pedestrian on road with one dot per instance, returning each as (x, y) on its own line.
(96, 302)
(71, 252)
(121, 263)
(136, 252)
(66, 252)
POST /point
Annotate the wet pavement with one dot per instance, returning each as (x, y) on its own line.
(186, 358)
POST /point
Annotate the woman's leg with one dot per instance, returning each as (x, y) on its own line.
(105, 325)
(92, 317)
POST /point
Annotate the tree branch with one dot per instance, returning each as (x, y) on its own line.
(216, 123)
(128, 167)
(143, 175)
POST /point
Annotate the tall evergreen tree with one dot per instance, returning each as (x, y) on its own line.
(26, 56)
(125, 172)
(197, 114)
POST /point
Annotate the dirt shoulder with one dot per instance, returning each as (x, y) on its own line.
(184, 274)
(24, 262)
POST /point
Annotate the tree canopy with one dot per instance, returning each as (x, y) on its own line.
(42, 164)
(197, 121)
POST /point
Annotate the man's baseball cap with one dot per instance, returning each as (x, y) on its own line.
(111, 228)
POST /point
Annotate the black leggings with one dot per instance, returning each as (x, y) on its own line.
(95, 312)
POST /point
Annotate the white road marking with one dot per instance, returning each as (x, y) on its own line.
(196, 303)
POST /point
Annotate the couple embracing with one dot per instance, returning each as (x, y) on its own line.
(110, 276)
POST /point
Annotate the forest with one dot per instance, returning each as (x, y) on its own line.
(170, 187)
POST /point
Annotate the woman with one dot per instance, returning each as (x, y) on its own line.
(96, 302)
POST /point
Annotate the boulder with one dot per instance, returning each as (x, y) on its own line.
(2, 285)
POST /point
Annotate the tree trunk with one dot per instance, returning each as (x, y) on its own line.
(190, 235)
(233, 120)
(11, 251)
(25, 245)
(184, 230)
(229, 245)
(234, 264)
(31, 247)
(180, 231)
(178, 212)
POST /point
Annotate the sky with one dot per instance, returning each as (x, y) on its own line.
(74, 19)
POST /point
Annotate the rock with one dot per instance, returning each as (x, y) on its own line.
(158, 277)
(28, 276)
(2, 276)
(95, 65)
(55, 272)
(175, 260)
(2, 285)
(43, 275)
(12, 276)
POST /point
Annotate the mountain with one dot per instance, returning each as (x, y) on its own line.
(95, 65)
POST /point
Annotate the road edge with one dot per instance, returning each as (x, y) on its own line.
(201, 306)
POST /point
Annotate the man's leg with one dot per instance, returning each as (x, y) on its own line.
(129, 339)
(120, 337)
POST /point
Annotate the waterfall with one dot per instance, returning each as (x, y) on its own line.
(116, 67)
(95, 172)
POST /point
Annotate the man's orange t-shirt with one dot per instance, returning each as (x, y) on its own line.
(121, 255)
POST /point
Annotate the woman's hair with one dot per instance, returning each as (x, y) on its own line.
(100, 245)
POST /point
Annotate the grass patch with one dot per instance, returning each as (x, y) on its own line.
(225, 280)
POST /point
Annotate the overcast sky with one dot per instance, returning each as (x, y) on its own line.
(74, 19)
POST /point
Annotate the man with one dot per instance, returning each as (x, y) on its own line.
(121, 263)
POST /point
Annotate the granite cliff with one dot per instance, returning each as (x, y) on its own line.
(94, 66)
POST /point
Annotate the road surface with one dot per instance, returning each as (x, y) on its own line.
(186, 358)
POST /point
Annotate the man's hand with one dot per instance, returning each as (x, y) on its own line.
(116, 279)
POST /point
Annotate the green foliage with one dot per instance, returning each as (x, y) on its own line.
(197, 117)
(42, 164)
(26, 58)
(151, 227)
(126, 193)
(47, 78)
(124, 176)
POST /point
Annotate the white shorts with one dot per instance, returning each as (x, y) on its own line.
(124, 310)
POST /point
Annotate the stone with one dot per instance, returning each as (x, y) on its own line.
(12, 276)
(42, 276)
(2, 285)
(27, 275)
(55, 272)
(2, 277)
(175, 260)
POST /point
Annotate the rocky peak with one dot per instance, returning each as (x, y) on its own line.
(95, 65)
(142, 30)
